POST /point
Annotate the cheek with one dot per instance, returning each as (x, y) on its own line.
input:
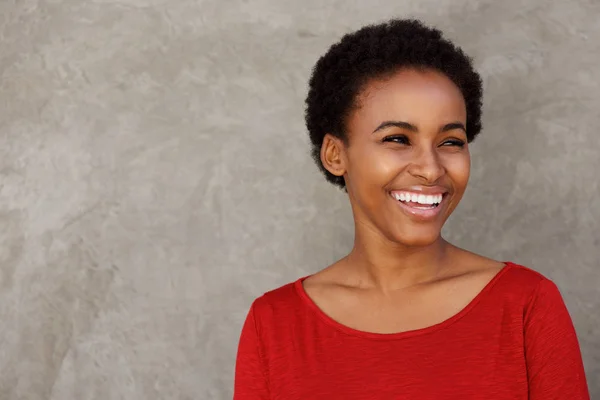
(372, 165)
(458, 167)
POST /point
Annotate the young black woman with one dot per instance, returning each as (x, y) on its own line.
(391, 111)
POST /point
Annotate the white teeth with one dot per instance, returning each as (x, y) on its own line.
(419, 198)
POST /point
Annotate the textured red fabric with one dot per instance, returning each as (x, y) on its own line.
(515, 340)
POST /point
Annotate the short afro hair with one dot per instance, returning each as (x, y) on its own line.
(376, 51)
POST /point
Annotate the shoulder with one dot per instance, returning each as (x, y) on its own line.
(544, 311)
(525, 277)
(505, 281)
(526, 284)
(509, 277)
(278, 303)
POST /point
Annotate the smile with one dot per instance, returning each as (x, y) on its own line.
(418, 205)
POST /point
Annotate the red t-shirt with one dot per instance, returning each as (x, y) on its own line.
(515, 340)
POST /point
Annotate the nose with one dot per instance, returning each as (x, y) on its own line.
(427, 165)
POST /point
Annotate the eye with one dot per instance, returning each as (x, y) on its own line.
(400, 139)
(454, 143)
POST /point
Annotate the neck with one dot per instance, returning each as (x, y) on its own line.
(385, 265)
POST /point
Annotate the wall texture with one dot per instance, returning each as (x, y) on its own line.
(155, 176)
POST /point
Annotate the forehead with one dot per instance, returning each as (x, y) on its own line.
(420, 97)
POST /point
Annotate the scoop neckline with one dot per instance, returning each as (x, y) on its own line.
(404, 334)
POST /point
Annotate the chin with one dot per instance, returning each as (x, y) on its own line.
(418, 237)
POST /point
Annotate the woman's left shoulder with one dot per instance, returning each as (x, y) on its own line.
(525, 284)
(524, 275)
(509, 277)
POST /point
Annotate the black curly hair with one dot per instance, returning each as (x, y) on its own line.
(376, 51)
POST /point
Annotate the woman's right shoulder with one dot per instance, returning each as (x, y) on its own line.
(280, 301)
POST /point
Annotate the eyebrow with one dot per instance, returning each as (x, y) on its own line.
(413, 128)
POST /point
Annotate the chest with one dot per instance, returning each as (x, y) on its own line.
(479, 354)
(447, 367)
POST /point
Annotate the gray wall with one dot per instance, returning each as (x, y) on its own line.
(156, 177)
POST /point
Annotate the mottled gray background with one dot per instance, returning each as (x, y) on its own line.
(155, 176)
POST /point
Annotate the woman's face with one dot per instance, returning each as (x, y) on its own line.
(407, 162)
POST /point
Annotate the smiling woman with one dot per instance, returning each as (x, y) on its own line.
(419, 150)
(391, 111)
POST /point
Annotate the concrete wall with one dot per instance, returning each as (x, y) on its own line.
(155, 176)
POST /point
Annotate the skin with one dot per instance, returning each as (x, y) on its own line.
(401, 274)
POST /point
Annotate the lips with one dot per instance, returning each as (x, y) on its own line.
(420, 204)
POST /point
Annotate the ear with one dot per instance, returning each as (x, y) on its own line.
(333, 155)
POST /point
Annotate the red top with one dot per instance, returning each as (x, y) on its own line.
(515, 340)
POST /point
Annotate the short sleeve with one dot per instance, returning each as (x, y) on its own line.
(250, 372)
(554, 364)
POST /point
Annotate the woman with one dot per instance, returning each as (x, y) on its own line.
(391, 110)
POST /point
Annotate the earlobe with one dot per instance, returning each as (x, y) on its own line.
(332, 155)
